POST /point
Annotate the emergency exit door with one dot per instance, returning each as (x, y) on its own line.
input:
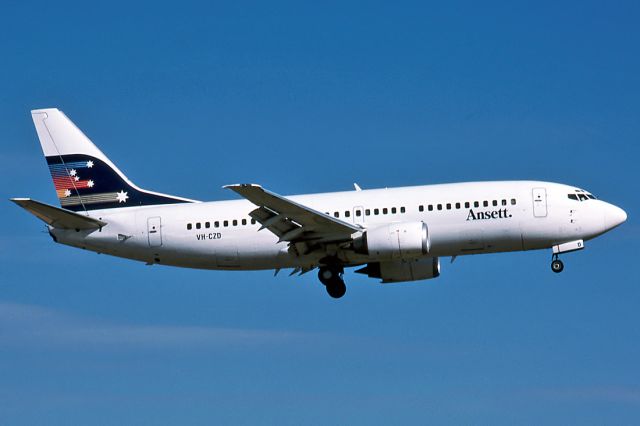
(154, 231)
(539, 202)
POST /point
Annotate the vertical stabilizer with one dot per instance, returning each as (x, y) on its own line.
(84, 178)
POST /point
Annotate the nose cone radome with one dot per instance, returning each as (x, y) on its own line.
(614, 216)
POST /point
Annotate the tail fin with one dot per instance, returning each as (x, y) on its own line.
(84, 178)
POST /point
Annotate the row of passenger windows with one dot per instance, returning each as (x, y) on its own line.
(217, 224)
(467, 205)
(367, 212)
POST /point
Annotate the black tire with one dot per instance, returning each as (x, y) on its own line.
(557, 266)
(336, 288)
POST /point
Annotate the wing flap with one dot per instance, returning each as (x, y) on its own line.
(273, 221)
(57, 217)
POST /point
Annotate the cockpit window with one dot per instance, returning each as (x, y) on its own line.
(581, 195)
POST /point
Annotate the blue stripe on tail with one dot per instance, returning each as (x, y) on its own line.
(83, 182)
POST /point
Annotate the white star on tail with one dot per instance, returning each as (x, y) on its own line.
(72, 172)
(121, 197)
(67, 193)
(90, 184)
(89, 164)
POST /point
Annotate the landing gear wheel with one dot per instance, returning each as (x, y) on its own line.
(557, 266)
(331, 277)
(336, 288)
(325, 275)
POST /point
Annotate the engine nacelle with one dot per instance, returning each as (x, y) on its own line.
(405, 240)
(403, 270)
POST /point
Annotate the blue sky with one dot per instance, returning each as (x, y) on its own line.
(306, 97)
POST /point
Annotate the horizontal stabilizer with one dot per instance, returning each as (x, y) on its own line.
(57, 217)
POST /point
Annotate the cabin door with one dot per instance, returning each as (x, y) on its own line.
(539, 202)
(154, 231)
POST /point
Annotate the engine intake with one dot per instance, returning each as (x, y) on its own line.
(405, 240)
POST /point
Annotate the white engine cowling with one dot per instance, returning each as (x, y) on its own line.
(403, 270)
(405, 240)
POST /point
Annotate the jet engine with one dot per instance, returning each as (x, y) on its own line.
(403, 270)
(405, 240)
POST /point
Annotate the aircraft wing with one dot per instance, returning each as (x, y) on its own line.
(57, 217)
(291, 221)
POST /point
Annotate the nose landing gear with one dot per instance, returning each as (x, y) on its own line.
(331, 277)
(556, 264)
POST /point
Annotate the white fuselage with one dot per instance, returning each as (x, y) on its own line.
(462, 218)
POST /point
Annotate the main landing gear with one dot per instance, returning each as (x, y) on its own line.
(331, 277)
(556, 264)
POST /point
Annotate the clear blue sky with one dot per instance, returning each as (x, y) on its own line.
(305, 97)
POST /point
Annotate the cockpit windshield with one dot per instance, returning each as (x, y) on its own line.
(581, 195)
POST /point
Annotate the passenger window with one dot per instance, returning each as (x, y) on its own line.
(457, 205)
(393, 210)
(420, 208)
(225, 223)
(376, 211)
(235, 222)
(430, 207)
(467, 205)
(207, 225)
(216, 224)
(402, 210)
(189, 226)
(244, 221)
(495, 203)
(385, 211)
(367, 212)
(439, 206)
(504, 202)
(253, 221)
(198, 226)
(476, 204)
(513, 201)
(448, 206)
(485, 203)
(347, 213)
(336, 214)
(358, 213)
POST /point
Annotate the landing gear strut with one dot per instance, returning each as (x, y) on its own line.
(556, 264)
(331, 277)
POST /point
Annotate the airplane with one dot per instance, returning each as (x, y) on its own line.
(394, 235)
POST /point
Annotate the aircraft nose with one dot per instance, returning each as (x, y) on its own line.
(614, 216)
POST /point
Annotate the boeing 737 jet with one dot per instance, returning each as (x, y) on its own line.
(394, 234)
